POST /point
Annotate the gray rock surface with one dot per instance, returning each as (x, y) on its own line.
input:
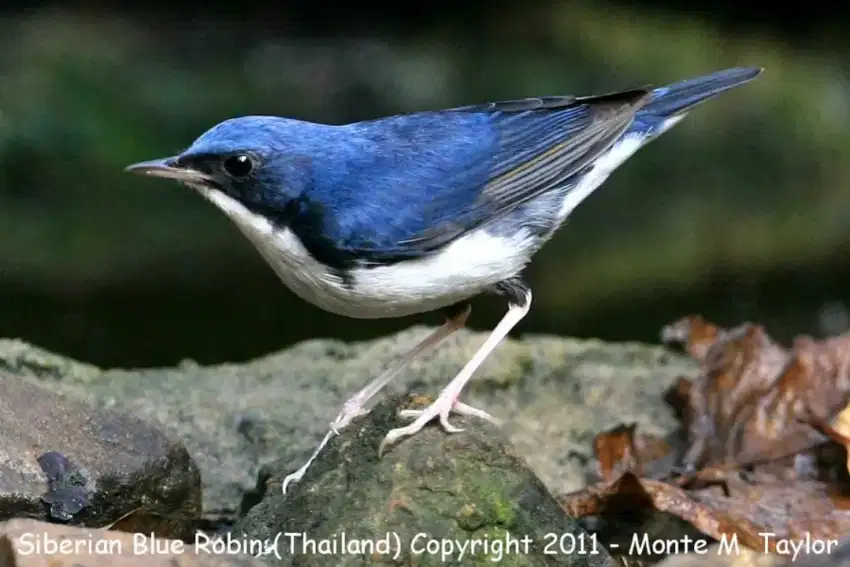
(62, 460)
(461, 499)
(554, 394)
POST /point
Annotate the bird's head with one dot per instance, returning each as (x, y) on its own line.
(248, 159)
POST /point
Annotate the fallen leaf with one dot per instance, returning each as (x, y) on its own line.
(693, 332)
(754, 401)
(622, 449)
(842, 426)
(785, 510)
(767, 431)
(678, 397)
(738, 369)
(615, 452)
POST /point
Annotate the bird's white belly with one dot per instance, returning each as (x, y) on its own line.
(461, 270)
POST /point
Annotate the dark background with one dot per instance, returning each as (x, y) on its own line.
(742, 212)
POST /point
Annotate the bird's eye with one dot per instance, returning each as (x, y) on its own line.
(239, 166)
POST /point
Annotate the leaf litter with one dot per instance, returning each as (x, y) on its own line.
(760, 459)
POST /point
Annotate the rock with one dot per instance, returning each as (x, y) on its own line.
(30, 543)
(554, 394)
(63, 460)
(470, 495)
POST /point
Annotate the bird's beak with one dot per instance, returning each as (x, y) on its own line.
(166, 168)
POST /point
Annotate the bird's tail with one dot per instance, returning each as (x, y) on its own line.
(680, 97)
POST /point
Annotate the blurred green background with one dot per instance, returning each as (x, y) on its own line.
(742, 212)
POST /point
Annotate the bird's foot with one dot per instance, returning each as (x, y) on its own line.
(459, 408)
(356, 405)
(296, 476)
(351, 409)
(447, 401)
(445, 404)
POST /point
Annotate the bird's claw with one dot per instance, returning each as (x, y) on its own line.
(294, 477)
(441, 408)
(444, 421)
(443, 415)
(352, 409)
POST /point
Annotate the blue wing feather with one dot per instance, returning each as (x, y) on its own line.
(404, 186)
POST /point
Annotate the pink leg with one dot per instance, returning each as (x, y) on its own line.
(356, 405)
(447, 400)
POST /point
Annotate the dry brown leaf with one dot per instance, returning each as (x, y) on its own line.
(841, 423)
(839, 437)
(615, 452)
(842, 426)
(754, 404)
(785, 510)
(678, 397)
(621, 449)
(738, 369)
(693, 332)
(754, 400)
(630, 493)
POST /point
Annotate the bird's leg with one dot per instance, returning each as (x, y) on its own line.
(355, 406)
(447, 400)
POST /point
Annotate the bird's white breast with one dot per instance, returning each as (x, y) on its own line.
(461, 270)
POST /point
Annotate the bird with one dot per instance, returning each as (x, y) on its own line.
(423, 211)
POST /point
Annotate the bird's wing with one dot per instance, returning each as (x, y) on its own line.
(542, 142)
(420, 181)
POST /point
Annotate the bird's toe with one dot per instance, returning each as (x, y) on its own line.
(448, 427)
(467, 410)
(410, 413)
(395, 435)
(294, 477)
